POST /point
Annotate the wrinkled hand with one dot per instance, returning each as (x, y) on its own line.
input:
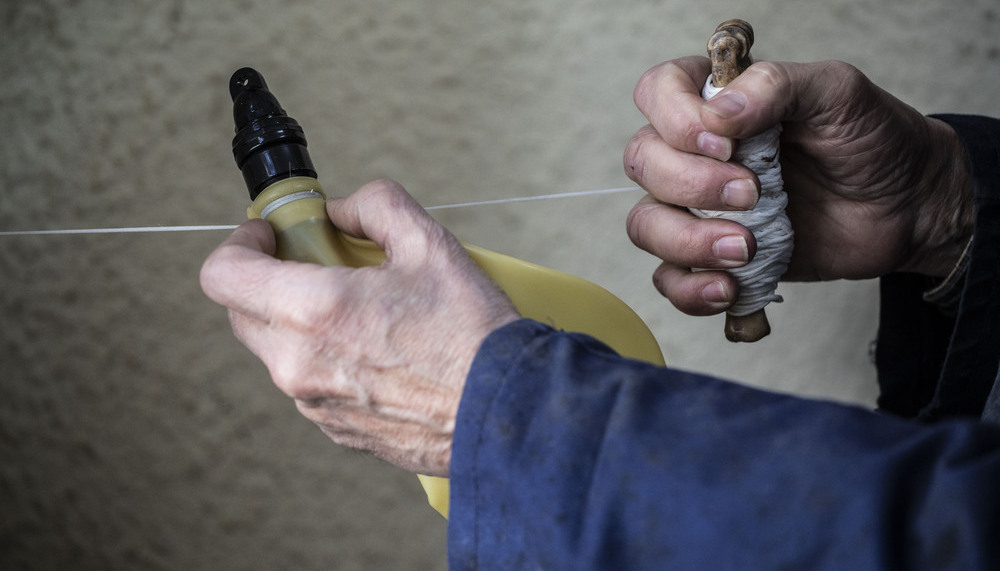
(873, 186)
(376, 356)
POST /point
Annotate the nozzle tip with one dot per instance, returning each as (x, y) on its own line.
(245, 79)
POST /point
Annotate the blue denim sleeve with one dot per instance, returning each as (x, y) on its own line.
(567, 456)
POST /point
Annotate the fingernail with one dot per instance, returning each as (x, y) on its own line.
(731, 249)
(716, 293)
(740, 193)
(727, 104)
(715, 146)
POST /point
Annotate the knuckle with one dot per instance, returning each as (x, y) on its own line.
(844, 72)
(637, 221)
(635, 155)
(774, 76)
(290, 373)
(208, 277)
(644, 87)
(223, 278)
(665, 281)
(655, 79)
(689, 128)
(691, 241)
(688, 191)
(315, 319)
(690, 244)
(851, 79)
(215, 270)
(285, 374)
(683, 289)
(383, 187)
(380, 195)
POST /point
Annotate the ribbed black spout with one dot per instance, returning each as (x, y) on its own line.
(269, 145)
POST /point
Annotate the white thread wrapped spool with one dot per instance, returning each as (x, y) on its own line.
(758, 279)
(729, 50)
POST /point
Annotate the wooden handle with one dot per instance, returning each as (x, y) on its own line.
(747, 328)
(729, 50)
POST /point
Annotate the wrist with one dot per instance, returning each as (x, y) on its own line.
(946, 217)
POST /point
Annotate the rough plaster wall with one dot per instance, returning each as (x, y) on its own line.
(136, 433)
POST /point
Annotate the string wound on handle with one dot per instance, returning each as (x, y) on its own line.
(729, 50)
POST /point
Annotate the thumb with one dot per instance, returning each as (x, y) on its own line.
(768, 93)
(383, 212)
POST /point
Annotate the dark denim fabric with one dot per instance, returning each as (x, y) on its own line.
(567, 456)
(933, 365)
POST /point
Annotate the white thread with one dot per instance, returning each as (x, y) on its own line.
(212, 227)
(575, 194)
(134, 230)
(768, 221)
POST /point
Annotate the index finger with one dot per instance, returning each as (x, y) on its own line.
(236, 271)
(669, 96)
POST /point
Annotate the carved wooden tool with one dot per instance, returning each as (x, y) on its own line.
(729, 50)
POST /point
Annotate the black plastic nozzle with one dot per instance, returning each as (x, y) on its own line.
(269, 145)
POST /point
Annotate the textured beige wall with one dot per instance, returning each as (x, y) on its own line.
(135, 433)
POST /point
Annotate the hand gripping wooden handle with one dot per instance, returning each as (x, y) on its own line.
(729, 50)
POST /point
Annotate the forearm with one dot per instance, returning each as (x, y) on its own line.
(567, 456)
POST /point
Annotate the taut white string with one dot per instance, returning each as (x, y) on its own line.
(211, 227)
(133, 230)
(758, 280)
